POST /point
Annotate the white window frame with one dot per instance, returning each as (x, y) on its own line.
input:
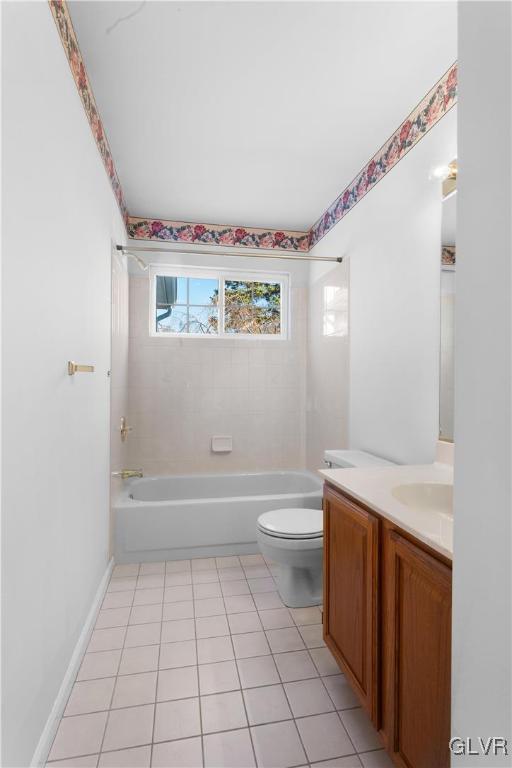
(283, 278)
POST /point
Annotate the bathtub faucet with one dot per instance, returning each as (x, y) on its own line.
(124, 474)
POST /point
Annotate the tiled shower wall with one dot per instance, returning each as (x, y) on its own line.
(183, 391)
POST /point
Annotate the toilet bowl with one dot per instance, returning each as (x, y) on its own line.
(293, 539)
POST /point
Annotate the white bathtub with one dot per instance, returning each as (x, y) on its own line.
(166, 518)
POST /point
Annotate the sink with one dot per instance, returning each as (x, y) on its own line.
(427, 497)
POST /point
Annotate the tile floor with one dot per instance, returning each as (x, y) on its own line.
(198, 663)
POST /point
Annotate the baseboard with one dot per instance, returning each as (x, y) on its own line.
(45, 742)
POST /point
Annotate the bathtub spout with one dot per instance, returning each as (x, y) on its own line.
(124, 474)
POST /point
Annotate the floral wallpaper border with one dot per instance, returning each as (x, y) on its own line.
(448, 255)
(216, 234)
(438, 101)
(69, 41)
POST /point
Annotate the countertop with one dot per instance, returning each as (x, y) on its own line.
(373, 486)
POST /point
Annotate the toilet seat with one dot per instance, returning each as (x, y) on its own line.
(294, 523)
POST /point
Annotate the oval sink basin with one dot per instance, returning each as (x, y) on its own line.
(427, 497)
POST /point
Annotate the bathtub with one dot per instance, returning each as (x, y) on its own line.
(171, 518)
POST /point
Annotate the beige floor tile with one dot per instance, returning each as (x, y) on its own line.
(203, 591)
(179, 610)
(268, 600)
(146, 614)
(239, 603)
(180, 683)
(78, 735)
(113, 617)
(231, 749)
(136, 757)
(324, 737)
(179, 579)
(90, 696)
(287, 639)
(250, 644)
(203, 563)
(148, 596)
(213, 649)
(150, 581)
(296, 665)
(351, 761)
(377, 759)
(177, 719)
(212, 606)
(308, 697)
(134, 690)
(256, 572)
(179, 629)
(276, 618)
(222, 712)
(360, 729)
(205, 577)
(148, 568)
(117, 600)
(278, 744)
(143, 634)
(212, 626)
(102, 664)
(266, 704)
(324, 661)
(177, 594)
(341, 692)
(181, 654)
(130, 727)
(122, 585)
(231, 574)
(312, 636)
(89, 761)
(260, 670)
(228, 562)
(106, 639)
(130, 569)
(218, 678)
(183, 753)
(303, 616)
(257, 586)
(141, 659)
(240, 623)
(236, 587)
(252, 560)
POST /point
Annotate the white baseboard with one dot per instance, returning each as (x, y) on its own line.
(45, 742)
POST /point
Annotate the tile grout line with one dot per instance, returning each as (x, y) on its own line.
(107, 720)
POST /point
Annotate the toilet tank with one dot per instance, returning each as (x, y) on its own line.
(339, 459)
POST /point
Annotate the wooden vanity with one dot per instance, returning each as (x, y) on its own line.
(387, 621)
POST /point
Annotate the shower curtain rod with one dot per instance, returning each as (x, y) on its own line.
(126, 249)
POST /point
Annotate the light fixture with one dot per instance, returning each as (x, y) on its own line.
(444, 172)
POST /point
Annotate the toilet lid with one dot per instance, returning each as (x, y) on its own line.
(296, 523)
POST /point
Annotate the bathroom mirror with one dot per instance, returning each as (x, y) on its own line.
(448, 279)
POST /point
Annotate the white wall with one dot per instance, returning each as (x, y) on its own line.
(183, 391)
(59, 217)
(482, 596)
(392, 241)
(120, 292)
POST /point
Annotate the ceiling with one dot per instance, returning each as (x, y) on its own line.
(255, 113)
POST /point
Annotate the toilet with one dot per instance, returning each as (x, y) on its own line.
(292, 538)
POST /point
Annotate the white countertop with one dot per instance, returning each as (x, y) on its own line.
(373, 486)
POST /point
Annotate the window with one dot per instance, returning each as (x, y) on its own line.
(211, 303)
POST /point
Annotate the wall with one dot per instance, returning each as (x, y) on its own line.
(183, 391)
(59, 217)
(120, 320)
(482, 594)
(391, 242)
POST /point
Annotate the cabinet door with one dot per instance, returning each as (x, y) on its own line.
(416, 661)
(350, 593)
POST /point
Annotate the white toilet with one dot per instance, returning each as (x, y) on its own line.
(293, 539)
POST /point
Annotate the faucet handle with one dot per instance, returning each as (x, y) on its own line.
(125, 474)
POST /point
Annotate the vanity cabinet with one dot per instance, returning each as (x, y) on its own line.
(387, 621)
(416, 653)
(350, 593)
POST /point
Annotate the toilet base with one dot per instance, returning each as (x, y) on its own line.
(299, 587)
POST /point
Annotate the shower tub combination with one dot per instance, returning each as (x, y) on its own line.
(172, 518)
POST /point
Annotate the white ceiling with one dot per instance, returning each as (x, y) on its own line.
(255, 113)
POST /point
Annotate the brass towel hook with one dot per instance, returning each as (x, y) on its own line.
(76, 368)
